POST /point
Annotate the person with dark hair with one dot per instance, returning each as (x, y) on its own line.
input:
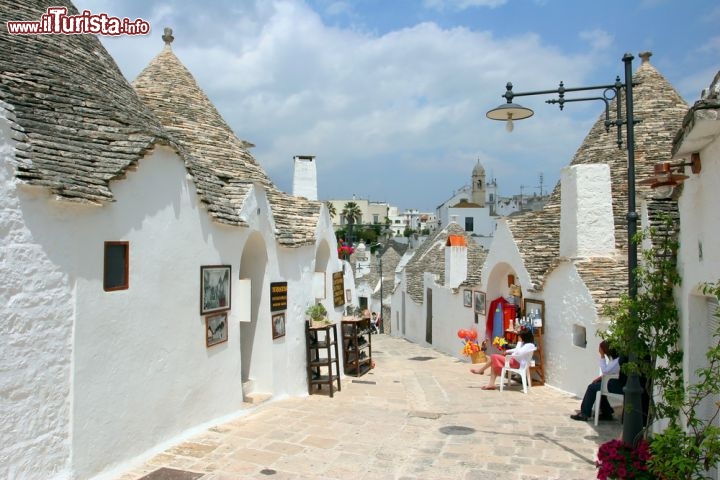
(523, 350)
(610, 363)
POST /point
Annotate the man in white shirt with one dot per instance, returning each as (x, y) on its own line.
(609, 365)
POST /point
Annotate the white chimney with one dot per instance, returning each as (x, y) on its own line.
(305, 177)
(587, 227)
(455, 261)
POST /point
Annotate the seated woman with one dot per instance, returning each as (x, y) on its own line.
(609, 365)
(497, 361)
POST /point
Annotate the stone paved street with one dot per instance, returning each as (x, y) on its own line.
(418, 415)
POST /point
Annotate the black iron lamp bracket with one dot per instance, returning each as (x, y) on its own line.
(610, 93)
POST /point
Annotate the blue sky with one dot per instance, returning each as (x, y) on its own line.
(391, 95)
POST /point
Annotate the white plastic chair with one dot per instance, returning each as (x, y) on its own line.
(604, 391)
(523, 370)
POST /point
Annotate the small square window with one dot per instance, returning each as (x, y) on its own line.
(117, 264)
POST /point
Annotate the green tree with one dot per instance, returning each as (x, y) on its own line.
(331, 209)
(352, 213)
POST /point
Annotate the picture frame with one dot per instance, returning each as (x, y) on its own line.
(467, 298)
(479, 302)
(215, 282)
(216, 329)
(278, 325)
(531, 305)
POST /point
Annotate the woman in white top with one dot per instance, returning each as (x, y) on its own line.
(497, 361)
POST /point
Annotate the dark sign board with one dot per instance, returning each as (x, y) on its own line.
(278, 296)
(338, 289)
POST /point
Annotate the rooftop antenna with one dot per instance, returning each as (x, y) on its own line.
(541, 184)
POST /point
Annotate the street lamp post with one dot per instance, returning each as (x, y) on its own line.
(509, 111)
(382, 313)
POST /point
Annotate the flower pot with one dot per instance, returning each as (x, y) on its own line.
(478, 357)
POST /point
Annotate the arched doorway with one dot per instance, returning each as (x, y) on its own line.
(256, 335)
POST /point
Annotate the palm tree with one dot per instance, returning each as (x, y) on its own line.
(331, 209)
(352, 213)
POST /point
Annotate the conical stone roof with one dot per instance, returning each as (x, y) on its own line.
(223, 168)
(430, 257)
(660, 109)
(78, 122)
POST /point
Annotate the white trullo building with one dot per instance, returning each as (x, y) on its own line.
(111, 204)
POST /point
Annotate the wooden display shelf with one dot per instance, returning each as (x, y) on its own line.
(322, 358)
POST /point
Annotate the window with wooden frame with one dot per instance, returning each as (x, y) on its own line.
(117, 266)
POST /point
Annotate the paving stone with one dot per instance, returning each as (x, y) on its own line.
(472, 434)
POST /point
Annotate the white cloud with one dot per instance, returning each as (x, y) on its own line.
(410, 104)
(597, 39)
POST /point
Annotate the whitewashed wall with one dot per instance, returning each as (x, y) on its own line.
(142, 371)
(36, 306)
(503, 259)
(450, 315)
(569, 365)
(699, 230)
(102, 377)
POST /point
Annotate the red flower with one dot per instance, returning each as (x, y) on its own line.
(618, 460)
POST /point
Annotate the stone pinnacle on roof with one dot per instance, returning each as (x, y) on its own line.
(168, 36)
(219, 162)
(645, 57)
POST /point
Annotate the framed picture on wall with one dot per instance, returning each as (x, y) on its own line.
(278, 325)
(467, 298)
(216, 329)
(214, 288)
(479, 302)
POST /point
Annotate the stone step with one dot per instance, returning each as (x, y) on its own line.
(256, 398)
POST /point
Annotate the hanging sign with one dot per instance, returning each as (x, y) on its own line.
(278, 296)
(338, 289)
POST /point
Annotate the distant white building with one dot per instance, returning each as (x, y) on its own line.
(477, 206)
(472, 207)
(413, 220)
(370, 212)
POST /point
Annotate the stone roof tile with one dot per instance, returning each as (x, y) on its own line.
(78, 122)
(430, 257)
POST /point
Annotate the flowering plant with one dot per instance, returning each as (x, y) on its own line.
(470, 342)
(618, 460)
(344, 251)
(500, 343)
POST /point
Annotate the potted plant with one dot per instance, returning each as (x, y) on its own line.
(317, 315)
